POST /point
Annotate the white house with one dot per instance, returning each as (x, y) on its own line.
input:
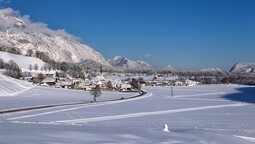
(125, 87)
(178, 83)
(66, 84)
(191, 83)
(49, 81)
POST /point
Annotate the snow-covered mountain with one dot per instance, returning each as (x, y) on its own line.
(19, 32)
(210, 70)
(168, 68)
(243, 67)
(123, 62)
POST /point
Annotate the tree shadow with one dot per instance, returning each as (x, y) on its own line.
(246, 94)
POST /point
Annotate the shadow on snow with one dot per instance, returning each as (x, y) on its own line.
(246, 94)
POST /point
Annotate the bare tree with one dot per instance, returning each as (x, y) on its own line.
(135, 83)
(109, 85)
(64, 66)
(96, 92)
(39, 78)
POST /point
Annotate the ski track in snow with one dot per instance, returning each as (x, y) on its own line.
(181, 89)
(77, 120)
(16, 93)
(13, 87)
(198, 99)
(196, 95)
(75, 108)
(251, 139)
(184, 97)
(133, 115)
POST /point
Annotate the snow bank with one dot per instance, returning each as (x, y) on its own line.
(11, 86)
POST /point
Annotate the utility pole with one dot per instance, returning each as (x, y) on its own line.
(172, 92)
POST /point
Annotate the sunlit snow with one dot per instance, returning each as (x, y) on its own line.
(198, 115)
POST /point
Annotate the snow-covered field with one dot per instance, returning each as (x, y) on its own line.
(199, 115)
(22, 61)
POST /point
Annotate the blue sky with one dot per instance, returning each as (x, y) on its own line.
(189, 34)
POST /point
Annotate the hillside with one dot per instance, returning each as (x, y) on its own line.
(122, 62)
(243, 67)
(10, 86)
(19, 32)
(22, 61)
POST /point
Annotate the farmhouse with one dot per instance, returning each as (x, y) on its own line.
(49, 81)
(125, 87)
(191, 83)
(178, 83)
(66, 84)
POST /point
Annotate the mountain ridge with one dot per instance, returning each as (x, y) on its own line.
(243, 67)
(19, 32)
(122, 62)
(210, 70)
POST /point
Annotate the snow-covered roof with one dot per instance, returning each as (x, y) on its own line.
(101, 77)
(64, 83)
(49, 80)
(99, 83)
(125, 86)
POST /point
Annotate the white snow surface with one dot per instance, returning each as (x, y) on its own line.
(22, 61)
(195, 115)
(18, 31)
(11, 87)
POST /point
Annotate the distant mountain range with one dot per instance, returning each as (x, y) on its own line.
(210, 70)
(243, 67)
(122, 62)
(19, 32)
(168, 68)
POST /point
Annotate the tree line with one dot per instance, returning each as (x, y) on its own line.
(219, 77)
